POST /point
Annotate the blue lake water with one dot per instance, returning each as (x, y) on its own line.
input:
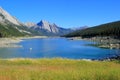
(57, 47)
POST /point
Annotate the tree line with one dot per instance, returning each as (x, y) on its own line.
(110, 29)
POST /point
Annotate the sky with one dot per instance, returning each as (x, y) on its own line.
(65, 13)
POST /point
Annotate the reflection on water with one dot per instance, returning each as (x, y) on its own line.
(56, 47)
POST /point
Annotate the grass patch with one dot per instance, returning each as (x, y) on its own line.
(58, 69)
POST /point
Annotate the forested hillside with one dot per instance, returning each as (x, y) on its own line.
(14, 30)
(109, 29)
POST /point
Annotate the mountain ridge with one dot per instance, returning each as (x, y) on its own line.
(10, 26)
(49, 29)
(8, 22)
(6, 16)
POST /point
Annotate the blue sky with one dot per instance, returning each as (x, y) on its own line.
(65, 13)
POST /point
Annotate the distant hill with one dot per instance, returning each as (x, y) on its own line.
(10, 26)
(108, 29)
(48, 29)
(79, 28)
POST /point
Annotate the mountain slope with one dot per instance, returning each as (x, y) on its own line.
(47, 26)
(49, 29)
(108, 29)
(5, 16)
(10, 26)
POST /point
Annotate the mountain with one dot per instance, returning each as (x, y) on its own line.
(5, 17)
(49, 29)
(53, 28)
(109, 29)
(10, 26)
(30, 24)
(79, 28)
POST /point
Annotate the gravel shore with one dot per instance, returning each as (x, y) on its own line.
(102, 42)
(12, 42)
(9, 42)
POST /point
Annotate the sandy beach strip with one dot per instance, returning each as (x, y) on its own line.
(9, 42)
(12, 42)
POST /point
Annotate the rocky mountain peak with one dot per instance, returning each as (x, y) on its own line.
(4, 15)
(43, 23)
(47, 26)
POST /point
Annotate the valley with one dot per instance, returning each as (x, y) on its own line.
(59, 40)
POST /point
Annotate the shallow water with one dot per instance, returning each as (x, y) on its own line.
(57, 47)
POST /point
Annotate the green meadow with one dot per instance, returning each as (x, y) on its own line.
(58, 69)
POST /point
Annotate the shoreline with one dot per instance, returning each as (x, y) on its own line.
(9, 42)
(12, 42)
(58, 58)
(113, 58)
(13, 59)
(101, 42)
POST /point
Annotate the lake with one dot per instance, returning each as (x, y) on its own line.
(57, 47)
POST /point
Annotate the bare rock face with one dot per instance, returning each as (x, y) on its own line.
(54, 28)
(48, 29)
(4, 15)
(30, 24)
(47, 26)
